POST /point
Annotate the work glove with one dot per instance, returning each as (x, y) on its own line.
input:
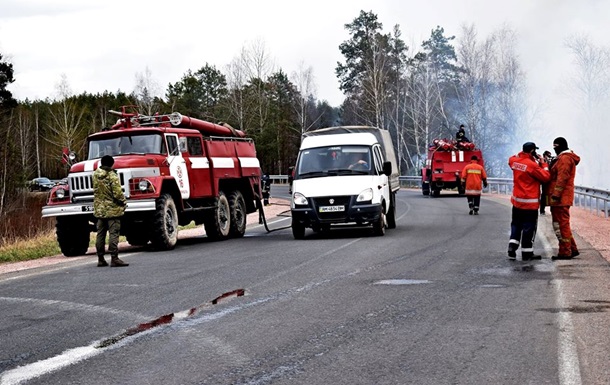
(485, 184)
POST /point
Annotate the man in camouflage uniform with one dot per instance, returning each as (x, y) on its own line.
(108, 207)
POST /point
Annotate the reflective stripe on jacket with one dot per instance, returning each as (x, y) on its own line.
(473, 176)
(527, 177)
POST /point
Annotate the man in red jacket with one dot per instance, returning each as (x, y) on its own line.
(561, 193)
(529, 171)
(473, 175)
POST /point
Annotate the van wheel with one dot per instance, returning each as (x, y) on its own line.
(379, 225)
(298, 230)
(237, 205)
(391, 218)
(165, 224)
(218, 224)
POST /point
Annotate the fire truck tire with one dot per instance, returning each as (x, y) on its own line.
(165, 224)
(218, 225)
(298, 230)
(72, 235)
(379, 225)
(391, 217)
(237, 205)
(137, 238)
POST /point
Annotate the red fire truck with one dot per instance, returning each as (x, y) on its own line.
(173, 170)
(443, 169)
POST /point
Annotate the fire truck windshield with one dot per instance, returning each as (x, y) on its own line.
(130, 144)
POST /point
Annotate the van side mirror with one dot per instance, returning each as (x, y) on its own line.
(387, 168)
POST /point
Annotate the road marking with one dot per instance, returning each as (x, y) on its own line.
(569, 365)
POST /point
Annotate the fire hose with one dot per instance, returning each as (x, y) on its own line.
(261, 217)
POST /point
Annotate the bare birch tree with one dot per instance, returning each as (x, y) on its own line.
(146, 92)
(589, 91)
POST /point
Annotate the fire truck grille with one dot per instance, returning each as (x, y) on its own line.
(82, 185)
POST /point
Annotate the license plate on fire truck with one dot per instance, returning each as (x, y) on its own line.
(87, 208)
(331, 209)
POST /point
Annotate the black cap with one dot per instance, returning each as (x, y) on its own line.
(107, 161)
(529, 146)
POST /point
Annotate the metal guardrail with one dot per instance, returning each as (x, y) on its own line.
(594, 200)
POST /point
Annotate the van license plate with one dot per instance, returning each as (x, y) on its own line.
(331, 209)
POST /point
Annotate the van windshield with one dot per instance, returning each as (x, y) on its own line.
(334, 160)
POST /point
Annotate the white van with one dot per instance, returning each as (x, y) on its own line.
(345, 175)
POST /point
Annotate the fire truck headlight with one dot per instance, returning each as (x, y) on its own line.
(365, 196)
(143, 185)
(60, 193)
(299, 199)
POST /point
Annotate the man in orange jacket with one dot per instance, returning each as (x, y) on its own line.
(561, 192)
(473, 175)
(529, 171)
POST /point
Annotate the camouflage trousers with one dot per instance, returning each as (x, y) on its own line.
(113, 227)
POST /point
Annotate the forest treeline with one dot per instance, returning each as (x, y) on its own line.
(417, 93)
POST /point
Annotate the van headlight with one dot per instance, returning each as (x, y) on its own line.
(299, 199)
(365, 195)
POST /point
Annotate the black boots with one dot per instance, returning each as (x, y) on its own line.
(101, 262)
(117, 262)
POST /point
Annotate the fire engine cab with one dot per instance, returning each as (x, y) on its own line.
(173, 170)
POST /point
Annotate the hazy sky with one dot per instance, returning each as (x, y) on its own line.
(101, 44)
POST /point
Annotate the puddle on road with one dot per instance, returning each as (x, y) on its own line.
(401, 282)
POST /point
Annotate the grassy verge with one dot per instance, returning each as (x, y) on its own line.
(28, 249)
(43, 246)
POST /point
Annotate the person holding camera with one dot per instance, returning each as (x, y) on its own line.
(529, 171)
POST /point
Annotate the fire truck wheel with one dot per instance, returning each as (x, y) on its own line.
(391, 217)
(165, 224)
(137, 238)
(237, 205)
(218, 225)
(72, 235)
(298, 230)
(379, 225)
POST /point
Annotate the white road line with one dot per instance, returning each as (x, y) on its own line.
(569, 365)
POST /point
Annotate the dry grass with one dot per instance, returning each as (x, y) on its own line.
(24, 234)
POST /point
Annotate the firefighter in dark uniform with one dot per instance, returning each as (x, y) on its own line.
(108, 207)
(460, 136)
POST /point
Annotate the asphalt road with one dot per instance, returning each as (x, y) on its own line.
(434, 301)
